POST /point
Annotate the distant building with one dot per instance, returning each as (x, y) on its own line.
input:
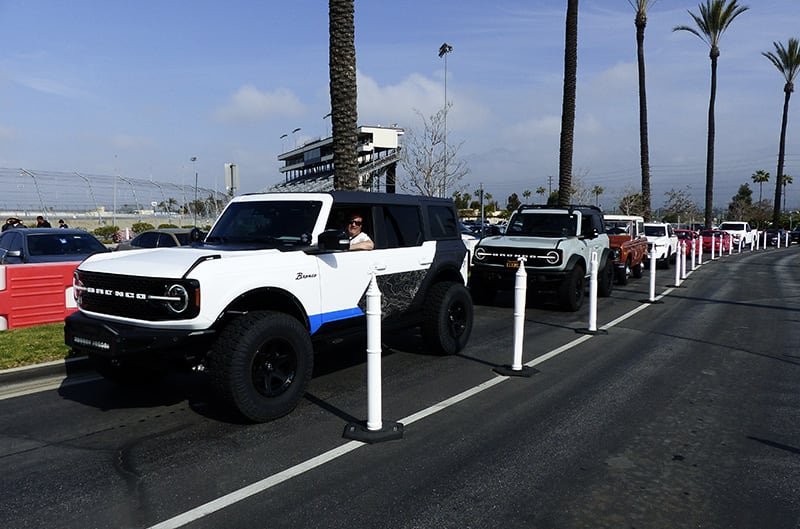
(310, 166)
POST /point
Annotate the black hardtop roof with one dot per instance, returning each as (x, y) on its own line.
(570, 207)
(366, 198)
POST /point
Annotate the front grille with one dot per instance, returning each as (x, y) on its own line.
(534, 257)
(133, 296)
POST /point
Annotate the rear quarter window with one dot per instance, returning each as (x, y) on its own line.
(443, 222)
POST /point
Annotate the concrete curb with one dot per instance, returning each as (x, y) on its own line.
(63, 368)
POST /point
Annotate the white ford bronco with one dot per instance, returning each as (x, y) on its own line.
(557, 244)
(274, 273)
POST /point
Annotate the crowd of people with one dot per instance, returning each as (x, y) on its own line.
(41, 222)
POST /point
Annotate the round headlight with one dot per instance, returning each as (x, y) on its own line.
(178, 298)
(480, 253)
(552, 257)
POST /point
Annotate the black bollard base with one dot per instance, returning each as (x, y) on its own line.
(357, 431)
(589, 331)
(652, 301)
(508, 371)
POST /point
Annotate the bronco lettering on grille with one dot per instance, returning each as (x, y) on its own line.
(116, 293)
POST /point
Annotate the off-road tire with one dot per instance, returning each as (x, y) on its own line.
(638, 270)
(261, 364)
(572, 289)
(624, 273)
(605, 279)
(447, 317)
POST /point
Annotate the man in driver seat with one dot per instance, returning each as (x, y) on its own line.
(358, 239)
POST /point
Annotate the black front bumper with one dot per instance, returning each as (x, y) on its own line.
(114, 340)
(505, 278)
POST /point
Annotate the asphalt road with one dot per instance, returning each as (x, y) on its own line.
(685, 414)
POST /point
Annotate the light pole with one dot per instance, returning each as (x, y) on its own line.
(298, 129)
(444, 49)
(326, 116)
(193, 159)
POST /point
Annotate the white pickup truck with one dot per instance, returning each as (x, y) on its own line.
(740, 231)
(662, 242)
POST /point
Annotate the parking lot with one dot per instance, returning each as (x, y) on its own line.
(684, 414)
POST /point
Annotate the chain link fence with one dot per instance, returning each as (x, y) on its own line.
(90, 200)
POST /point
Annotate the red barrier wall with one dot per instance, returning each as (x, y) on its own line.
(32, 294)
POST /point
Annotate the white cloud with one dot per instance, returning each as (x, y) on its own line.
(249, 104)
(127, 141)
(7, 133)
(399, 103)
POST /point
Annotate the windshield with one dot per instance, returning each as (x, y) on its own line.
(540, 224)
(268, 222)
(655, 231)
(618, 227)
(57, 244)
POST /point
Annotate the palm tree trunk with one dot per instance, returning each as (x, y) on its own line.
(344, 113)
(568, 104)
(644, 148)
(710, 147)
(776, 210)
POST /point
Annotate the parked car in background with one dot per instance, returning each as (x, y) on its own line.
(740, 231)
(160, 238)
(628, 245)
(719, 238)
(687, 237)
(662, 241)
(774, 233)
(794, 235)
(47, 245)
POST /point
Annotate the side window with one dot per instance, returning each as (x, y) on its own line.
(443, 222)
(147, 240)
(588, 226)
(402, 225)
(165, 239)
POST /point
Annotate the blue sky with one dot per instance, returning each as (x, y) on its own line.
(140, 87)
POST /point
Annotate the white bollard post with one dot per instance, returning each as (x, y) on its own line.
(786, 239)
(694, 257)
(374, 393)
(376, 429)
(653, 273)
(778, 243)
(677, 270)
(713, 245)
(730, 246)
(765, 241)
(593, 293)
(700, 250)
(516, 369)
(683, 260)
(520, 294)
(752, 243)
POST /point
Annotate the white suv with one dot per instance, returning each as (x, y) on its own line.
(274, 272)
(662, 242)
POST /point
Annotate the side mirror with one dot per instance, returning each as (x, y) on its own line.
(196, 235)
(333, 240)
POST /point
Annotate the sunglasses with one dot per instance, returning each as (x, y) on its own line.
(355, 222)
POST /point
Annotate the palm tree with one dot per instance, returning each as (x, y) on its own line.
(760, 177)
(541, 191)
(787, 179)
(527, 195)
(597, 191)
(787, 61)
(714, 18)
(568, 104)
(641, 7)
(344, 113)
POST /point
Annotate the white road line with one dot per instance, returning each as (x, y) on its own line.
(269, 482)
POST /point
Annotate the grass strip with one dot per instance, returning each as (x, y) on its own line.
(32, 345)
